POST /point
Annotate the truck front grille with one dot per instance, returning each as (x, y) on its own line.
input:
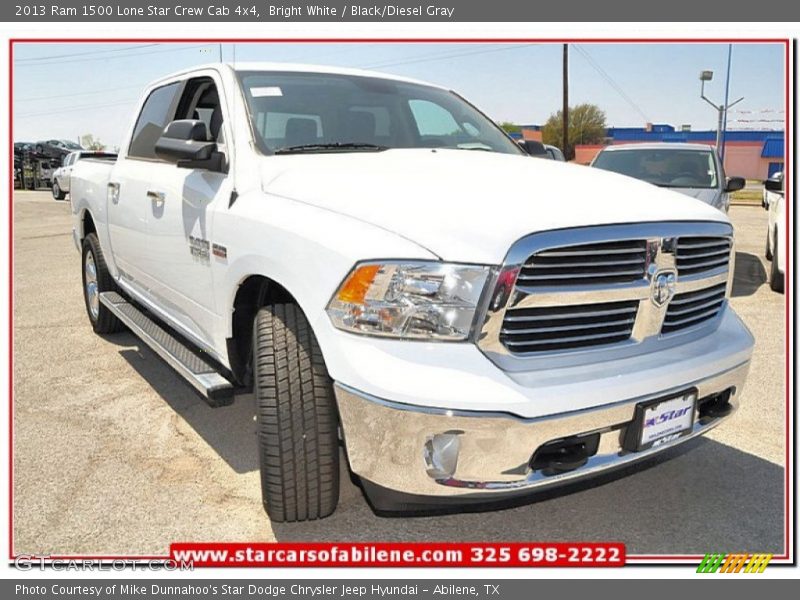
(552, 328)
(693, 308)
(563, 293)
(603, 263)
(695, 255)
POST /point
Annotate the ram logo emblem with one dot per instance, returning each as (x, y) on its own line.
(663, 287)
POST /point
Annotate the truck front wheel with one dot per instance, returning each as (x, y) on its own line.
(97, 279)
(296, 416)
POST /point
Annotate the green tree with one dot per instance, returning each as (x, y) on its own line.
(587, 125)
(509, 127)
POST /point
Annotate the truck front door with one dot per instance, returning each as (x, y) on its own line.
(180, 204)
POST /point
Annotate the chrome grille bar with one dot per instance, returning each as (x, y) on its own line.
(693, 308)
(593, 263)
(698, 254)
(592, 289)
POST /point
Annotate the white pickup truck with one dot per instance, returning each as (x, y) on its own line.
(388, 271)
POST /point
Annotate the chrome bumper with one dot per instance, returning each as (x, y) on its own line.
(436, 452)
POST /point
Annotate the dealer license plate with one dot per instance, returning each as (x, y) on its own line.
(660, 421)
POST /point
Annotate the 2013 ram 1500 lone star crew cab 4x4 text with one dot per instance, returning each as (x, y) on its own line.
(386, 269)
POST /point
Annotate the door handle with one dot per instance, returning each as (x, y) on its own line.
(156, 196)
(112, 192)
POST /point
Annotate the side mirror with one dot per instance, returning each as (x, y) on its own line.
(734, 184)
(534, 148)
(185, 143)
(774, 183)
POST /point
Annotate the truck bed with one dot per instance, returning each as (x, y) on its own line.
(88, 182)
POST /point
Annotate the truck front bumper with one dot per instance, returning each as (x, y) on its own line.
(438, 452)
(420, 450)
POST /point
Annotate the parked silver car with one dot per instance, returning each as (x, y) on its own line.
(691, 169)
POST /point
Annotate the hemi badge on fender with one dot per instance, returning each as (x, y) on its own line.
(219, 250)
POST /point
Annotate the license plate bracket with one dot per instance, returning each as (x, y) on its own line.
(661, 420)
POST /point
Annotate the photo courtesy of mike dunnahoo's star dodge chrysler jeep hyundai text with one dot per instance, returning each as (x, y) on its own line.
(389, 272)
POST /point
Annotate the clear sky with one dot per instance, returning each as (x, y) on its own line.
(68, 90)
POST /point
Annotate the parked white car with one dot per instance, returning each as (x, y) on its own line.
(386, 270)
(776, 231)
(61, 176)
(691, 169)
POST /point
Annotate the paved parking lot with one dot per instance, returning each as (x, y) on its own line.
(114, 454)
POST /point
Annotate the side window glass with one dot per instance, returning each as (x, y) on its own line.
(156, 113)
(200, 101)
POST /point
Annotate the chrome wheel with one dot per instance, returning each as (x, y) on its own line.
(90, 284)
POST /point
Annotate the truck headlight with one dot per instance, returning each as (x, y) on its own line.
(412, 300)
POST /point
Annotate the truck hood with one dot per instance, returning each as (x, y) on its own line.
(471, 206)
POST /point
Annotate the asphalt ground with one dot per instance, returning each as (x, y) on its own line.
(115, 455)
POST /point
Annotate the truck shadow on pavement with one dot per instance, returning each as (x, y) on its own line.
(699, 497)
(229, 430)
(749, 274)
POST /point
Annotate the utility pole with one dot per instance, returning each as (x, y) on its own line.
(565, 106)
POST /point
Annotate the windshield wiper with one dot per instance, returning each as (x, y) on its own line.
(333, 146)
(658, 184)
(480, 148)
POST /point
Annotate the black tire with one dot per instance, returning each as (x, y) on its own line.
(58, 193)
(767, 249)
(296, 417)
(775, 276)
(103, 321)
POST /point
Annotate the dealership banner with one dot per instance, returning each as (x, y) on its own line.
(412, 11)
(408, 554)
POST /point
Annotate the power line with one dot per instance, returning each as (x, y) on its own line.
(93, 53)
(427, 58)
(111, 89)
(610, 80)
(75, 109)
(95, 58)
(439, 56)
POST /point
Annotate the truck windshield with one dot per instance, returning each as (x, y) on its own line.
(665, 168)
(321, 112)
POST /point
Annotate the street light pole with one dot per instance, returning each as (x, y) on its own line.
(727, 93)
(722, 109)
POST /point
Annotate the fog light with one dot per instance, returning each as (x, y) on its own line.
(441, 455)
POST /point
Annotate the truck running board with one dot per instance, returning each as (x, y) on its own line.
(200, 374)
